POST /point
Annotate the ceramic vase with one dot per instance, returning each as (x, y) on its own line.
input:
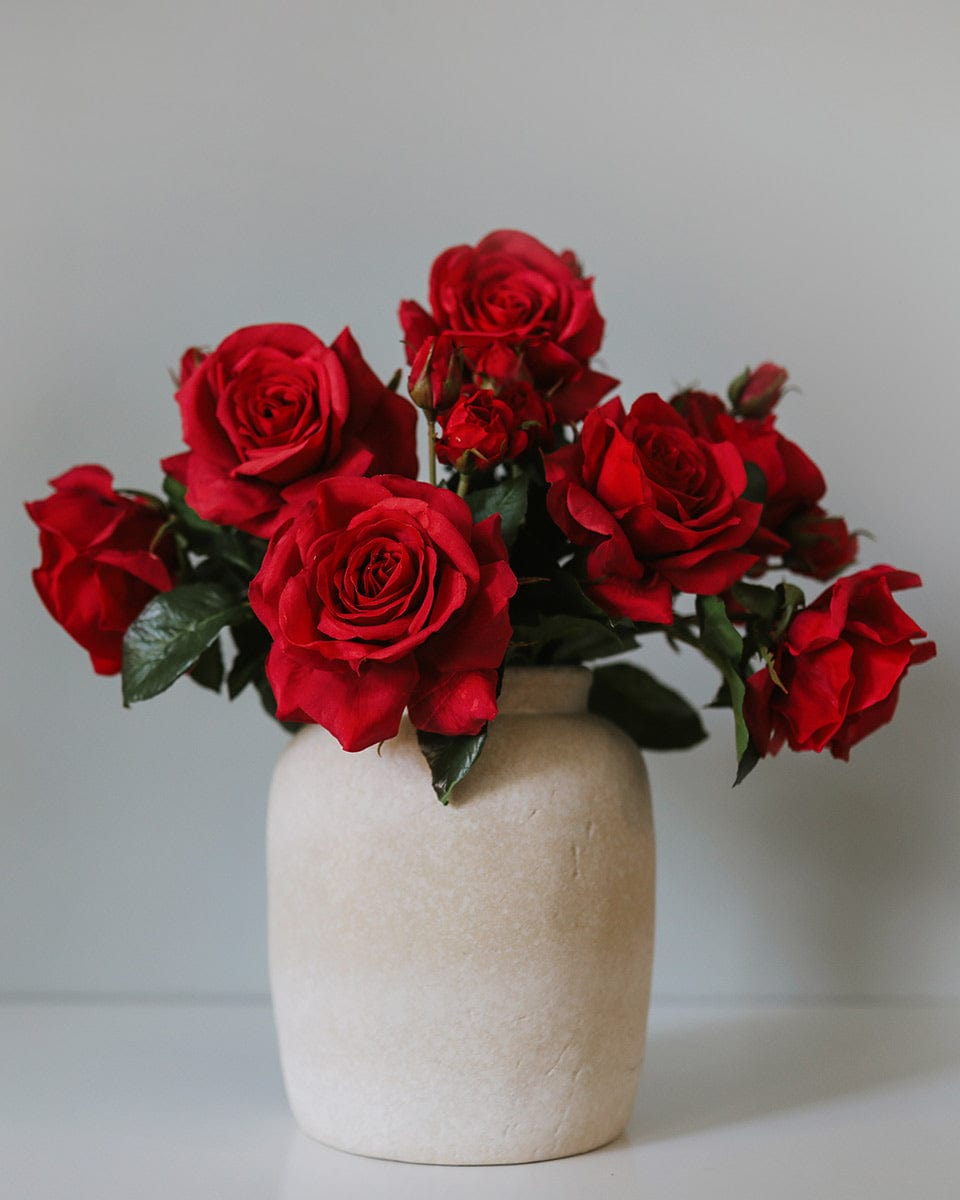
(465, 984)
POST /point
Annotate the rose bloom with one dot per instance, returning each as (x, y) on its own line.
(656, 507)
(101, 560)
(818, 544)
(484, 428)
(841, 661)
(271, 411)
(382, 594)
(512, 290)
(794, 481)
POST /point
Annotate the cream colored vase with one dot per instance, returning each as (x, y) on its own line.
(465, 984)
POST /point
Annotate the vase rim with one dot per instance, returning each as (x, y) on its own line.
(556, 689)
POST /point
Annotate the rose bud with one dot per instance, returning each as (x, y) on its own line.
(103, 558)
(819, 545)
(436, 375)
(755, 393)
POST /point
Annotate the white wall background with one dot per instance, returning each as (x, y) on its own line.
(745, 179)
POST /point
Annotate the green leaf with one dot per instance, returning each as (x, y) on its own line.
(176, 495)
(450, 758)
(748, 760)
(171, 633)
(723, 645)
(791, 599)
(217, 542)
(560, 638)
(253, 643)
(655, 716)
(756, 599)
(508, 498)
(208, 669)
(756, 489)
(717, 632)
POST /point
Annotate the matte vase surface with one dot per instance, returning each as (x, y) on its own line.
(465, 984)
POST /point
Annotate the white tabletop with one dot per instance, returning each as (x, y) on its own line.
(181, 1101)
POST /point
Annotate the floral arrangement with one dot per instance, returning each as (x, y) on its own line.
(555, 528)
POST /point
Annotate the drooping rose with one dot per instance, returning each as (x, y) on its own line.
(382, 594)
(656, 507)
(511, 290)
(485, 427)
(841, 662)
(102, 560)
(271, 411)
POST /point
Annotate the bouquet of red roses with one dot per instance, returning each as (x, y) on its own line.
(555, 528)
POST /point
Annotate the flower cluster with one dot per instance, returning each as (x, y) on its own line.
(556, 527)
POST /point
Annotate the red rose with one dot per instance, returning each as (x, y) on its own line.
(382, 594)
(819, 545)
(794, 481)
(841, 662)
(511, 289)
(757, 392)
(484, 428)
(271, 411)
(99, 564)
(657, 506)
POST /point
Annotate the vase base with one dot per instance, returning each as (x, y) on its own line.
(500, 1156)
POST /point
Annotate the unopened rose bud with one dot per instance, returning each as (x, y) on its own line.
(436, 376)
(755, 393)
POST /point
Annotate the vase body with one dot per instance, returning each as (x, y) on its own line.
(465, 984)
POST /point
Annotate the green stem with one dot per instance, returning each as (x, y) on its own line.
(432, 436)
(463, 485)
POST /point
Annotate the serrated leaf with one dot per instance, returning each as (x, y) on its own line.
(171, 634)
(207, 671)
(450, 758)
(655, 716)
(508, 498)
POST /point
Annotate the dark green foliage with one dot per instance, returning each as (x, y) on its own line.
(655, 716)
